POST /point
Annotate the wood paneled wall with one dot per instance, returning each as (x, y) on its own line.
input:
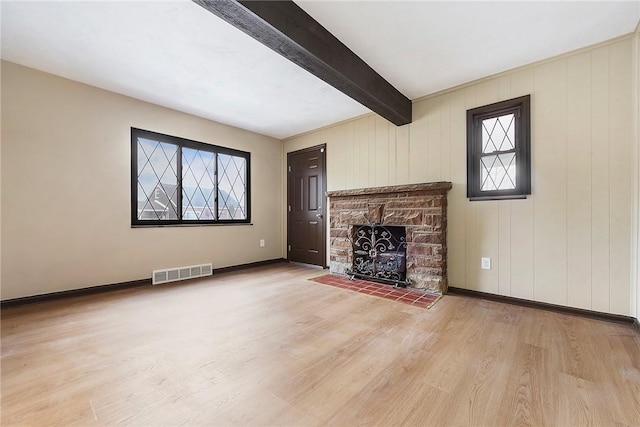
(635, 241)
(569, 242)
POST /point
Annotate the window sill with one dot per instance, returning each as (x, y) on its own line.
(498, 197)
(189, 225)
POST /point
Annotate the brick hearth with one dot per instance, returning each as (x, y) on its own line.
(421, 208)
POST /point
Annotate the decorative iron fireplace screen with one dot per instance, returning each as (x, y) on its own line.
(379, 253)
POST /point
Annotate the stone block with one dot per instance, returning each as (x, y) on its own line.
(337, 267)
(341, 243)
(375, 213)
(432, 222)
(420, 238)
(434, 239)
(417, 261)
(339, 252)
(352, 217)
(338, 232)
(348, 204)
(409, 203)
(402, 217)
(419, 249)
(426, 282)
(434, 211)
(426, 271)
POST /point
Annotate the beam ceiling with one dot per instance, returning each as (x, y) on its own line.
(287, 29)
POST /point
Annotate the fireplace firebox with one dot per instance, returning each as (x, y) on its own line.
(379, 253)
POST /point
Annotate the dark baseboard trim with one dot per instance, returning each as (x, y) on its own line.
(73, 293)
(546, 306)
(34, 299)
(249, 265)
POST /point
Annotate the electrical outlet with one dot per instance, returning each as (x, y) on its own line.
(485, 263)
(262, 243)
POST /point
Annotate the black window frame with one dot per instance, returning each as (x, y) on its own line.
(521, 107)
(191, 144)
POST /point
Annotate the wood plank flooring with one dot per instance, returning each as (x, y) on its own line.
(266, 346)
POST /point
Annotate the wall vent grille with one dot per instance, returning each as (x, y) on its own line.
(181, 273)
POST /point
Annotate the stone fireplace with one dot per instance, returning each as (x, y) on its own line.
(420, 209)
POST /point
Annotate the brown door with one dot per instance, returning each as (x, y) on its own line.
(306, 206)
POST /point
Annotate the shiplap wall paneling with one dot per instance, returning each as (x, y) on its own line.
(600, 223)
(402, 154)
(347, 141)
(504, 87)
(521, 269)
(360, 155)
(487, 237)
(579, 181)
(550, 159)
(569, 242)
(635, 254)
(392, 153)
(522, 248)
(371, 150)
(504, 215)
(620, 176)
(335, 168)
(487, 222)
(383, 161)
(434, 141)
(472, 265)
(445, 140)
(457, 200)
(417, 144)
(504, 247)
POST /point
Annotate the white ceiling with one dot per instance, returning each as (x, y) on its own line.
(177, 54)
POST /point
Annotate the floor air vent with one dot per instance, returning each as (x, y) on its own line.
(181, 273)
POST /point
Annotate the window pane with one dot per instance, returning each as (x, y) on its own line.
(498, 172)
(498, 133)
(157, 180)
(198, 184)
(232, 179)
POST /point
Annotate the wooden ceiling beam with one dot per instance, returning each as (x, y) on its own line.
(287, 29)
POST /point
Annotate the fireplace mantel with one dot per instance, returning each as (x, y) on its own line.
(420, 208)
(441, 187)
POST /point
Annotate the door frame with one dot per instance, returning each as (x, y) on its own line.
(323, 148)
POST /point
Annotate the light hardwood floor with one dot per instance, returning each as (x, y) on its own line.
(265, 346)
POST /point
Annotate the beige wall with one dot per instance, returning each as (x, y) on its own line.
(66, 189)
(570, 242)
(0, 180)
(635, 252)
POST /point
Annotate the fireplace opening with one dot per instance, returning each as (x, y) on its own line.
(379, 253)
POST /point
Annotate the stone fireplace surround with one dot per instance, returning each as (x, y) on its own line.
(420, 208)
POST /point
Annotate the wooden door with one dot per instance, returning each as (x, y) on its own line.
(306, 184)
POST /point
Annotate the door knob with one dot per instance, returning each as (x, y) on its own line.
(319, 215)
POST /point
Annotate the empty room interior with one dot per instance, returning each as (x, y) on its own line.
(220, 212)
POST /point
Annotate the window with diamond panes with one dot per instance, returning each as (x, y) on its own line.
(198, 184)
(498, 150)
(232, 177)
(179, 181)
(157, 180)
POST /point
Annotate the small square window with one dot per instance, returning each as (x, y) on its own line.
(499, 150)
